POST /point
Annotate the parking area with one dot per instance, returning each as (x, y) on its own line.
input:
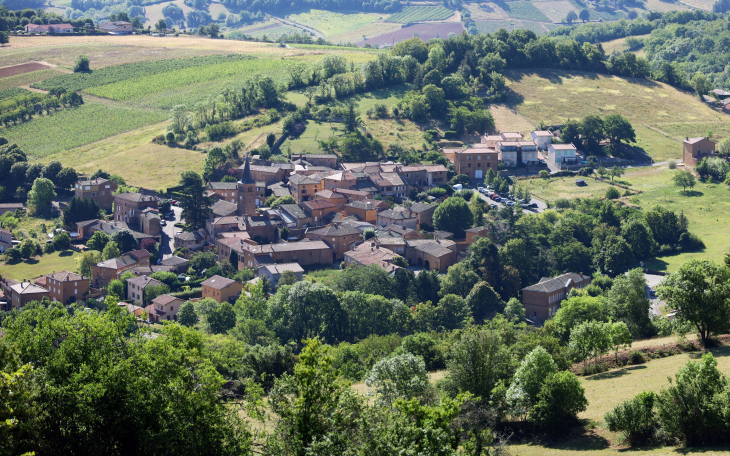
(167, 245)
(539, 205)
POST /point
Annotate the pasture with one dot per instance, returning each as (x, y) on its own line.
(39, 265)
(656, 110)
(333, 24)
(707, 206)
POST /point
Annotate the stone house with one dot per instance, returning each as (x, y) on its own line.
(164, 307)
(695, 149)
(222, 289)
(19, 294)
(127, 206)
(137, 285)
(473, 162)
(226, 191)
(402, 217)
(543, 299)
(104, 272)
(273, 272)
(67, 287)
(319, 210)
(339, 236)
(100, 190)
(306, 253)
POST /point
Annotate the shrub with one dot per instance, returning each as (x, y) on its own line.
(12, 254)
(544, 174)
(219, 131)
(82, 64)
(560, 400)
(636, 357)
(672, 164)
(612, 193)
(634, 419)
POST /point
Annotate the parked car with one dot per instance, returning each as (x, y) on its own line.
(533, 205)
(510, 203)
(163, 223)
(493, 206)
(497, 198)
(525, 206)
(480, 189)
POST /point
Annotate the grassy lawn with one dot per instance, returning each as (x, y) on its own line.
(133, 156)
(38, 266)
(307, 142)
(335, 25)
(707, 206)
(556, 96)
(606, 390)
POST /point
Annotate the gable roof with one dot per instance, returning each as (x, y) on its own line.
(300, 179)
(551, 285)
(222, 185)
(143, 280)
(339, 229)
(222, 208)
(396, 215)
(165, 299)
(294, 210)
(65, 276)
(319, 204)
(419, 208)
(135, 197)
(218, 282)
(27, 288)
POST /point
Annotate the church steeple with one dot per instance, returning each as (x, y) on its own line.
(246, 178)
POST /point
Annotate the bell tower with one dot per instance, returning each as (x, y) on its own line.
(250, 196)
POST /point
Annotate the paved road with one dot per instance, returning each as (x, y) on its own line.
(541, 206)
(651, 283)
(168, 233)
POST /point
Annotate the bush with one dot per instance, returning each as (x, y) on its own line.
(188, 294)
(48, 248)
(560, 400)
(219, 131)
(12, 254)
(544, 174)
(634, 419)
(82, 64)
(612, 193)
(636, 357)
(690, 242)
(672, 164)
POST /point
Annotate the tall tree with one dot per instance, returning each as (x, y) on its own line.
(40, 196)
(628, 303)
(196, 206)
(453, 215)
(618, 129)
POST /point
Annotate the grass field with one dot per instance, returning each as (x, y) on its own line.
(316, 131)
(133, 156)
(707, 206)
(334, 24)
(507, 119)
(27, 78)
(92, 121)
(40, 265)
(524, 10)
(420, 14)
(556, 96)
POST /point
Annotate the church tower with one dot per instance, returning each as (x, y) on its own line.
(250, 193)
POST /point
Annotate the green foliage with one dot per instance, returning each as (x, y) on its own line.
(634, 419)
(528, 380)
(365, 279)
(628, 303)
(579, 309)
(82, 65)
(398, 377)
(454, 216)
(80, 210)
(684, 179)
(560, 400)
(590, 339)
(41, 196)
(193, 200)
(111, 250)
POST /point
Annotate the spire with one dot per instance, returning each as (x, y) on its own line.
(246, 179)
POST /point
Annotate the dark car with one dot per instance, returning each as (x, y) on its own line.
(533, 205)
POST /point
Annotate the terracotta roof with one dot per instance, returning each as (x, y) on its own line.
(66, 276)
(319, 204)
(190, 236)
(227, 220)
(550, 285)
(396, 215)
(346, 191)
(288, 247)
(165, 299)
(218, 282)
(330, 194)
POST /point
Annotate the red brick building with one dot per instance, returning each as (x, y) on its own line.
(695, 149)
(543, 299)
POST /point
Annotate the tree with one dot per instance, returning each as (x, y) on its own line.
(51, 170)
(111, 250)
(603, 172)
(161, 25)
(40, 196)
(82, 65)
(484, 302)
(584, 15)
(618, 129)
(196, 206)
(287, 278)
(640, 238)
(614, 256)
(459, 280)
(116, 288)
(454, 216)
(620, 337)
(66, 178)
(612, 193)
(571, 17)
(635, 418)
(4, 38)
(529, 378)
(365, 279)
(701, 84)
(80, 210)
(590, 339)
(61, 241)
(627, 303)
(452, 312)
(478, 362)
(700, 291)
(683, 179)
(398, 377)
(28, 248)
(86, 260)
(577, 310)
(591, 132)
(514, 310)
(222, 319)
(125, 241)
(98, 241)
(616, 172)
(561, 399)
(152, 292)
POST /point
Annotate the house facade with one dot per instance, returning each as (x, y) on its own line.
(695, 149)
(116, 27)
(128, 206)
(99, 189)
(562, 153)
(137, 285)
(49, 28)
(164, 307)
(19, 294)
(6, 240)
(67, 287)
(222, 289)
(542, 300)
(305, 253)
(339, 236)
(104, 272)
(542, 138)
(273, 272)
(473, 162)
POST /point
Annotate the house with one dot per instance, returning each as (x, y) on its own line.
(431, 254)
(267, 174)
(542, 138)
(392, 241)
(223, 224)
(127, 206)
(222, 289)
(354, 195)
(528, 152)
(402, 217)
(436, 174)
(67, 287)
(365, 210)
(226, 246)
(223, 209)
(414, 175)
(342, 179)
(424, 212)
(149, 221)
(100, 190)
(542, 300)
(164, 307)
(305, 253)
(338, 199)
(388, 184)
(273, 272)
(226, 191)
(472, 234)
(319, 210)
(148, 270)
(328, 160)
(562, 153)
(339, 236)
(137, 285)
(473, 162)
(191, 240)
(293, 216)
(49, 28)
(720, 93)
(21, 293)
(369, 253)
(137, 311)
(11, 207)
(303, 187)
(279, 189)
(180, 264)
(116, 27)
(508, 151)
(104, 272)
(251, 193)
(262, 229)
(6, 240)
(87, 228)
(695, 149)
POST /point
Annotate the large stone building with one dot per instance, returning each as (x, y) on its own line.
(128, 206)
(104, 272)
(305, 253)
(473, 162)
(222, 289)
(695, 149)
(100, 190)
(66, 287)
(543, 299)
(339, 236)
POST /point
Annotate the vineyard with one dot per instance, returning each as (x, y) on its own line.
(12, 93)
(421, 14)
(190, 85)
(81, 81)
(26, 78)
(74, 127)
(524, 10)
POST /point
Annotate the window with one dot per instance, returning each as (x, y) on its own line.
(468, 165)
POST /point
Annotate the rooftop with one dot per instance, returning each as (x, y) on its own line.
(550, 285)
(218, 282)
(283, 267)
(135, 197)
(222, 185)
(344, 229)
(66, 276)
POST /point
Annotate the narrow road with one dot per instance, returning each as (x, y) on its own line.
(167, 244)
(314, 32)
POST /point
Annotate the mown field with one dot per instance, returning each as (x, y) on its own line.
(658, 112)
(420, 14)
(73, 127)
(38, 266)
(606, 390)
(707, 206)
(334, 24)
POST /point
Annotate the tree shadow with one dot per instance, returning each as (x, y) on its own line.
(587, 440)
(692, 193)
(697, 450)
(66, 253)
(615, 373)
(717, 352)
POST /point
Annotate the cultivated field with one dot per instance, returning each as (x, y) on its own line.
(27, 78)
(491, 26)
(420, 14)
(334, 24)
(707, 206)
(14, 70)
(652, 107)
(507, 119)
(424, 31)
(524, 10)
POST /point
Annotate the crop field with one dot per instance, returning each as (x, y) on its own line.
(491, 26)
(80, 81)
(487, 10)
(420, 14)
(555, 10)
(73, 127)
(334, 24)
(699, 4)
(189, 85)
(507, 119)
(556, 96)
(15, 70)
(707, 206)
(12, 92)
(27, 78)
(424, 31)
(524, 10)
